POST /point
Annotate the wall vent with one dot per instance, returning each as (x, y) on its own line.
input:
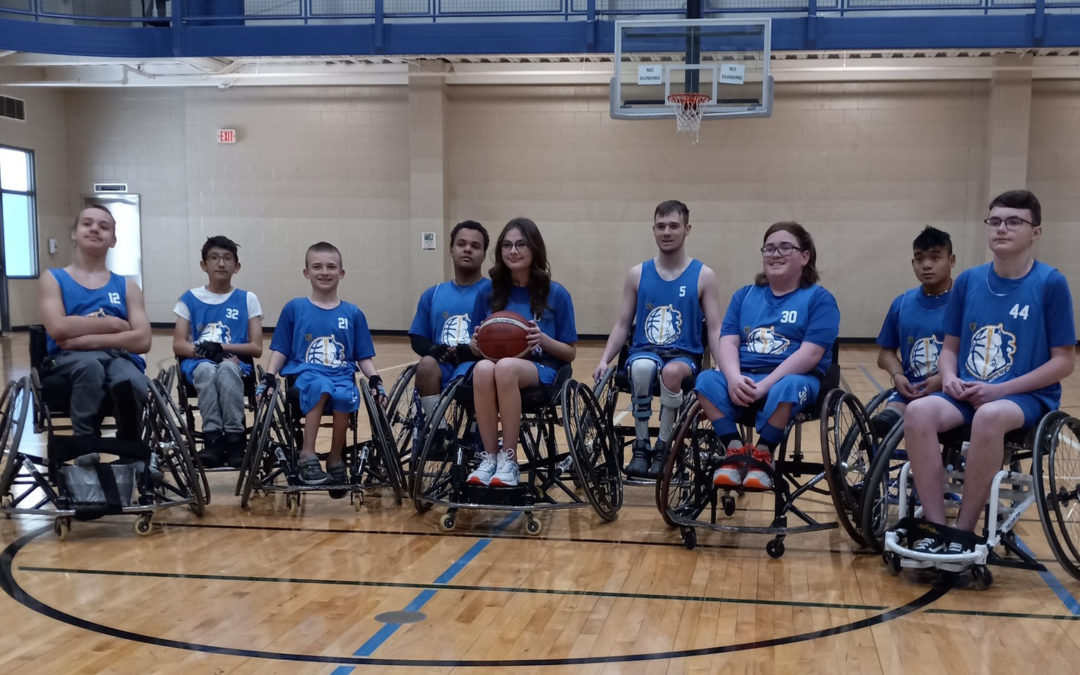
(15, 108)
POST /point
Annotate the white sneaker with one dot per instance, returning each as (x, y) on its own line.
(484, 472)
(506, 472)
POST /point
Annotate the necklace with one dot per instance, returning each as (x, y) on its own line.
(938, 295)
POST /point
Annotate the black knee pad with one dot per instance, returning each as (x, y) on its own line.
(881, 423)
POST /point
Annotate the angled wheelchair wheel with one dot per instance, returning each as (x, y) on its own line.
(404, 416)
(387, 464)
(14, 408)
(433, 476)
(685, 486)
(271, 428)
(181, 479)
(606, 395)
(847, 447)
(1056, 460)
(595, 463)
(881, 495)
(180, 420)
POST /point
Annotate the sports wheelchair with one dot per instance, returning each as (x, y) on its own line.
(406, 419)
(686, 489)
(452, 447)
(273, 452)
(615, 381)
(1041, 466)
(189, 401)
(69, 481)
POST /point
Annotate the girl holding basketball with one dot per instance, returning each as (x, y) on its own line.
(520, 282)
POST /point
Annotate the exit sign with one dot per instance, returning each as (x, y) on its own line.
(226, 136)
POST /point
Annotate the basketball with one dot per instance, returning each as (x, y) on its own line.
(503, 334)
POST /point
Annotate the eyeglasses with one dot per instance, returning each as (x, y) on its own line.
(214, 257)
(785, 249)
(515, 246)
(1012, 223)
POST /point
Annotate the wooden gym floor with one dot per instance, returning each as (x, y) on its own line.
(262, 591)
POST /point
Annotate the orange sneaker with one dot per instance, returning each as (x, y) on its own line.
(730, 474)
(758, 479)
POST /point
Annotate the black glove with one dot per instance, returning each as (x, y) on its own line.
(464, 353)
(268, 383)
(210, 350)
(439, 353)
(377, 390)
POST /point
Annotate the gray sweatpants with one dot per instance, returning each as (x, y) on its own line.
(220, 387)
(92, 376)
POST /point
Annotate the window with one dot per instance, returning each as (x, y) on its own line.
(18, 213)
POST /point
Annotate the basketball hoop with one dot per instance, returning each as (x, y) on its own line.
(688, 109)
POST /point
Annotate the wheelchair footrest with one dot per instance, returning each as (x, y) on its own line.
(518, 495)
(901, 539)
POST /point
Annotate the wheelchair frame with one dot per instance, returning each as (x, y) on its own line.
(273, 451)
(451, 444)
(26, 489)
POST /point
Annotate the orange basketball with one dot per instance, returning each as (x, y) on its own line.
(503, 334)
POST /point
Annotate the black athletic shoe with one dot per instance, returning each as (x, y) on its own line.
(639, 463)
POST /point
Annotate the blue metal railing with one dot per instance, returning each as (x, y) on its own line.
(270, 12)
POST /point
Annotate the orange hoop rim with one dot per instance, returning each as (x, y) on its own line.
(689, 99)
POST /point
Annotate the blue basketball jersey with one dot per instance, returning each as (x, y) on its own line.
(443, 314)
(669, 314)
(915, 325)
(1006, 327)
(224, 323)
(557, 319)
(772, 328)
(329, 341)
(109, 300)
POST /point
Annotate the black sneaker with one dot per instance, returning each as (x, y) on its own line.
(311, 472)
(956, 548)
(639, 462)
(235, 447)
(337, 477)
(659, 456)
(212, 454)
(929, 545)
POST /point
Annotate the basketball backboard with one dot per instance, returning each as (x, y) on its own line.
(727, 59)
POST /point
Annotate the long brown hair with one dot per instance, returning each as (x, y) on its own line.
(809, 271)
(539, 284)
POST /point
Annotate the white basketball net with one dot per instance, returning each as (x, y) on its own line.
(688, 109)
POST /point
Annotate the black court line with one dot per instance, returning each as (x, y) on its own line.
(12, 588)
(491, 535)
(458, 587)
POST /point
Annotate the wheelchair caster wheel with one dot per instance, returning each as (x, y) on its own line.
(142, 525)
(775, 548)
(6, 502)
(728, 503)
(292, 503)
(982, 577)
(357, 501)
(62, 528)
(892, 561)
(689, 538)
(533, 526)
(447, 523)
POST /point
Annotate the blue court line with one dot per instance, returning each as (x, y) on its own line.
(1056, 586)
(873, 380)
(384, 633)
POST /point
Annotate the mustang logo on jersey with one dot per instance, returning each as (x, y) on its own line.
(98, 314)
(765, 340)
(663, 325)
(991, 352)
(922, 360)
(325, 351)
(215, 332)
(455, 330)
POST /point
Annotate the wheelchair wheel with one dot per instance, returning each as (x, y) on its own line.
(270, 427)
(881, 496)
(685, 486)
(1056, 460)
(180, 420)
(14, 407)
(404, 415)
(387, 464)
(596, 466)
(606, 395)
(847, 447)
(433, 475)
(173, 452)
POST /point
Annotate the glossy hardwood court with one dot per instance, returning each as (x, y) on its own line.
(332, 591)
